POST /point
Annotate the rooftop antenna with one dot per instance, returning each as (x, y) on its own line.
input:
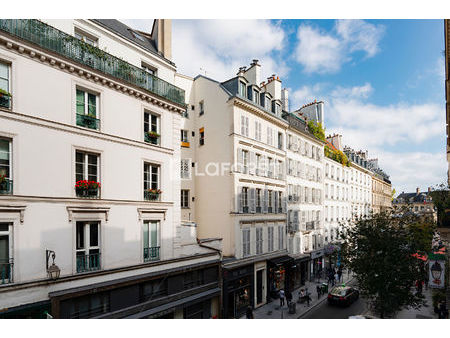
(203, 70)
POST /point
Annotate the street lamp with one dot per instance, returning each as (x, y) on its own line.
(436, 271)
(53, 271)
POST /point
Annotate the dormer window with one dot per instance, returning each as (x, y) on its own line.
(255, 96)
(277, 109)
(242, 89)
(86, 37)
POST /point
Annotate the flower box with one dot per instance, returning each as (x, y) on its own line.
(152, 137)
(152, 194)
(87, 189)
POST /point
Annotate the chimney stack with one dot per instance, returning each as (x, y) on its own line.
(285, 99)
(417, 191)
(162, 35)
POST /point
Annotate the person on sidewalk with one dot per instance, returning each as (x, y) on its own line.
(319, 291)
(281, 298)
(339, 275)
(249, 313)
(288, 297)
(336, 278)
(308, 297)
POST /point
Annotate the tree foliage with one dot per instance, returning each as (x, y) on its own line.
(317, 129)
(379, 250)
(441, 200)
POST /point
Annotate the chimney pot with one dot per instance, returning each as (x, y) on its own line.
(417, 190)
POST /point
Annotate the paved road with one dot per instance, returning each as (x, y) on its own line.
(325, 311)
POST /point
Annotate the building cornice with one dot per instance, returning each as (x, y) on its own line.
(56, 61)
(259, 112)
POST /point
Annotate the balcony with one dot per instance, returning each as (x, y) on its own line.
(151, 196)
(6, 273)
(5, 101)
(151, 254)
(6, 187)
(153, 139)
(88, 121)
(88, 193)
(54, 40)
(89, 262)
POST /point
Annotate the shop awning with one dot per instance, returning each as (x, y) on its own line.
(301, 257)
(281, 260)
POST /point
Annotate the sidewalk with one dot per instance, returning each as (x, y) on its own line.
(421, 313)
(272, 310)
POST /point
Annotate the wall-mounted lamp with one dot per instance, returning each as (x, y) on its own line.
(53, 271)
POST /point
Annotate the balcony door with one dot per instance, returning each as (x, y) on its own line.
(88, 246)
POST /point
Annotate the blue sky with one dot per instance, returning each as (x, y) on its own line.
(382, 81)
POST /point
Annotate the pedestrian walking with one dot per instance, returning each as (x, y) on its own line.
(319, 291)
(308, 297)
(281, 297)
(249, 313)
(336, 277)
(339, 275)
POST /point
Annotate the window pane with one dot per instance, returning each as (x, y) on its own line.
(92, 159)
(80, 235)
(154, 233)
(4, 84)
(146, 239)
(93, 234)
(92, 105)
(80, 101)
(4, 249)
(4, 74)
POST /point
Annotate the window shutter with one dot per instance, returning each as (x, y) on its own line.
(252, 200)
(252, 163)
(239, 160)
(239, 201)
(265, 201)
(276, 201)
(264, 166)
(282, 171)
(283, 203)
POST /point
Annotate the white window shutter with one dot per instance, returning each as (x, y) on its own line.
(283, 203)
(239, 199)
(276, 201)
(252, 200)
(252, 163)
(239, 160)
(264, 166)
(265, 201)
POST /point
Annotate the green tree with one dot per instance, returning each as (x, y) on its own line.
(440, 195)
(379, 250)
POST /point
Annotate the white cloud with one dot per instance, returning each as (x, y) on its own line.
(220, 47)
(360, 35)
(353, 92)
(326, 52)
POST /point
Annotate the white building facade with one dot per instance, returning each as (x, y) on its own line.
(90, 151)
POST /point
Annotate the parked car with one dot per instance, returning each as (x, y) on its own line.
(342, 295)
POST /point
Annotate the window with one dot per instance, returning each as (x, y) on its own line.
(258, 164)
(184, 136)
(245, 161)
(185, 198)
(257, 131)
(202, 136)
(280, 202)
(5, 101)
(244, 126)
(270, 167)
(185, 169)
(83, 36)
(270, 239)
(280, 141)
(87, 246)
(259, 241)
(151, 234)
(201, 106)
(270, 203)
(151, 179)
(154, 289)
(269, 136)
(244, 199)
(87, 109)
(255, 96)
(246, 242)
(242, 89)
(280, 237)
(152, 128)
(5, 166)
(87, 168)
(6, 267)
(149, 69)
(258, 201)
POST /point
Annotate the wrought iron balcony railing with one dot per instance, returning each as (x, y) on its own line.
(6, 272)
(151, 254)
(5, 101)
(150, 196)
(68, 46)
(6, 187)
(88, 121)
(89, 262)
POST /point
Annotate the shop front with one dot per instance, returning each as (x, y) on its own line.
(317, 263)
(279, 276)
(238, 290)
(298, 271)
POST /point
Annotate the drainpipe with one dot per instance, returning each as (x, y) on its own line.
(220, 275)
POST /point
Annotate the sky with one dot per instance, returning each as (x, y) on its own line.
(382, 81)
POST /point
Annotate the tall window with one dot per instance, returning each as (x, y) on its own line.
(280, 201)
(280, 237)
(259, 241)
(152, 128)
(6, 272)
(258, 200)
(185, 198)
(86, 166)
(270, 203)
(244, 126)
(87, 109)
(4, 85)
(151, 176)
(269, 136)
(202, 136)
(257, 131)
(270, 238)
(87, 246)
(245, 160)
(244, 199)
(185, 169)
(201, 106)
(246, 242)
(5, 166)
(280, 141)
(258, 164)
(151, 234)
(270, 172)
(184, 136)
(255, 96)
(242, 89)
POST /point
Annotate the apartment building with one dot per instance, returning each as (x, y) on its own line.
(304, 176)
(235, 180)
(418, 202)
(381, 188)
(90, 194)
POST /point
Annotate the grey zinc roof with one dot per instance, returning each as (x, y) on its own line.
(126, 32)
